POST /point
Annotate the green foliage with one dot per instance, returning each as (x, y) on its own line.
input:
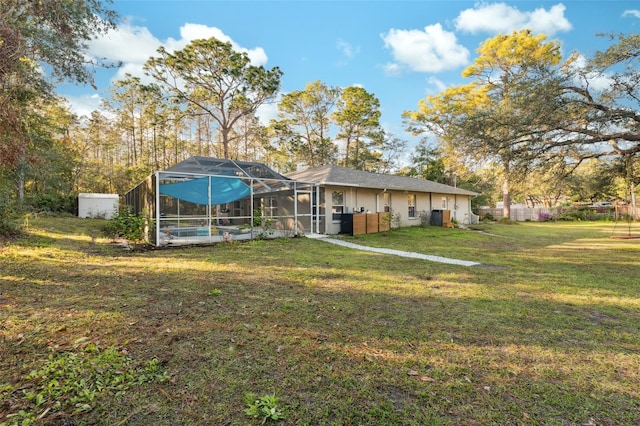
(488, 217)
(338, 334)
(257, 217)
(428, 162)
(396, 220)
(303, 124)
(358, 119)
(266, 230)
(266, 407)
(128, 225)
(8, 215)
(70, 382)
(216, 79)
(391, 220)
(41, 40)
(51, 203)
(583, 213)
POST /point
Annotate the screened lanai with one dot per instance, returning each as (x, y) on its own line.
(205, 200)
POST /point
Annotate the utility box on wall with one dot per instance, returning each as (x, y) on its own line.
(101, 206)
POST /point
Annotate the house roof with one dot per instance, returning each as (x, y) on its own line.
(341, 176)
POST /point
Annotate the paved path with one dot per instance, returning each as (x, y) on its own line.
(401, 253)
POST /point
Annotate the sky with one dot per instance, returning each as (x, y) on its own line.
(400, 51)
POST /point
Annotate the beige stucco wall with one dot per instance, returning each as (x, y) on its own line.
(371, 200)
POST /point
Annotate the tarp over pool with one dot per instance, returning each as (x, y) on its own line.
(223, 190)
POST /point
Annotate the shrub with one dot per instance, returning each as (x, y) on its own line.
(128, 225)
(51, 203)
(544, 217)
(396, 220)
(488, 217)
(425, 218)
(8, 216)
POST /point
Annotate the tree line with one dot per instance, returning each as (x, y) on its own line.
(533, 117)
(528, 124)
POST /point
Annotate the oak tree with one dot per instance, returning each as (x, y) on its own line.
(502, 116)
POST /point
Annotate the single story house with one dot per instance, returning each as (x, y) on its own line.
(203, 199)
(343, 191)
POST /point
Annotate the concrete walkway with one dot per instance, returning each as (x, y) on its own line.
(394, 252)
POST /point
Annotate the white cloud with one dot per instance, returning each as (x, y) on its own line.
(347, 49)
(133, 45)
(598, 82)
(632, 12)
(430, 50)
(502, 18)
(84, 105)
(266, 112)
(132, 68)
(127, 44)
(391, 68)
(435, 85)
(190, 32)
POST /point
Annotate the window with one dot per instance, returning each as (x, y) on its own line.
(337, 205)
(444, 202)
(386, 202)
(411, 201)
(270, 207)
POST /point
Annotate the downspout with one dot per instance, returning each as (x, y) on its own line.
(455, 206)
(378, 200)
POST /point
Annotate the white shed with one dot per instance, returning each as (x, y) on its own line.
(101, 206)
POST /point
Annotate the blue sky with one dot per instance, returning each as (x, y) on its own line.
(400, 51)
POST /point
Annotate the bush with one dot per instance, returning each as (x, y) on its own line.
(128, 225)
(52, 203)
(545, 217)
(8, 217)
(583, 213)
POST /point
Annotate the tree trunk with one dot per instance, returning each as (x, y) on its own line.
(506, 198)
(225, 143)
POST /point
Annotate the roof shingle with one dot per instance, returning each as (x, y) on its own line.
(336, 175)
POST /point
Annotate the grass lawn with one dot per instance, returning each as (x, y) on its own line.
(546, 331)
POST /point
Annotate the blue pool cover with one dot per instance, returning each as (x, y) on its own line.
(223, 190)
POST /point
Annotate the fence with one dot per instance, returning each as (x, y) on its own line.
(545, 213)
(521, 214)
